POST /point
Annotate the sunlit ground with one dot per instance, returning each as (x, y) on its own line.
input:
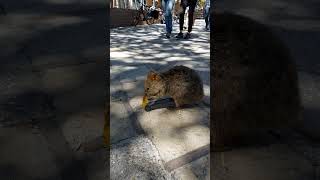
(146, 45)
(133, 52)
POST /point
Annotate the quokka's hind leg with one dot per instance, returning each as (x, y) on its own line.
(178, 102)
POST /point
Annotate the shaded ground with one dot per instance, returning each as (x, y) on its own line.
(297, 24)
(289, 155)
(42, 52)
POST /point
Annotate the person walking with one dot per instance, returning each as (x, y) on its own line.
(206, 14)
(167, 6)
(192, 5)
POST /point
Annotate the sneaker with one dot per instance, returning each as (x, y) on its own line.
(179, 36)
(168, 35)
(187, 35)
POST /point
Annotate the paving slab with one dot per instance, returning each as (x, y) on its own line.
(277, 162)
(79, 95)
(177, 132)
(16, 31)
(309, 84)
(76, 87)
(20, 157)
(198, 169)
(82, 127)
(79, 98)
(16, 81)
(123, 87)
(121, 125)
(136, 158)
(97, 164)
(64, 45)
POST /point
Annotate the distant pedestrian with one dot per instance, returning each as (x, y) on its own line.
(192, 5)
(167, 6)
(206, 14)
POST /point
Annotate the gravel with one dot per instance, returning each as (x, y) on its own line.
(136, 158)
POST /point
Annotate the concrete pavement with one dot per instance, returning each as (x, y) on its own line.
(55, 52)
(297, 24)
(293, 157)
(180, 138)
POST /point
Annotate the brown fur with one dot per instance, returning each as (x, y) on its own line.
(254, 81)
(181, 83)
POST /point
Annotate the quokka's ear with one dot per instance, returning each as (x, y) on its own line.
(152, 75)
(152, 72)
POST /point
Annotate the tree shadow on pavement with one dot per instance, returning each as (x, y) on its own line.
(51, 41)
(136, 50)
(296, 23)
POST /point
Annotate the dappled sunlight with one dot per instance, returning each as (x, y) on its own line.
(120, 122)
(134, 76)
(148, 43)
(121, 54)
(134, 52)
(176, 137)
(180, 58)
(119, 69)
(54, 49)
(206, 90)
(72, 79)
(195, 136)
(169, 134)
(83, 126)
(27, 23)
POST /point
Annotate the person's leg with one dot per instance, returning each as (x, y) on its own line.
(168, 14)
(181, 20)
(209, 18)
(206, 20)
(181, 17)
(206, 17)
(164, 7)
(190, 17)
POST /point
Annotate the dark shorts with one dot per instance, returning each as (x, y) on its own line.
(191, 3)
